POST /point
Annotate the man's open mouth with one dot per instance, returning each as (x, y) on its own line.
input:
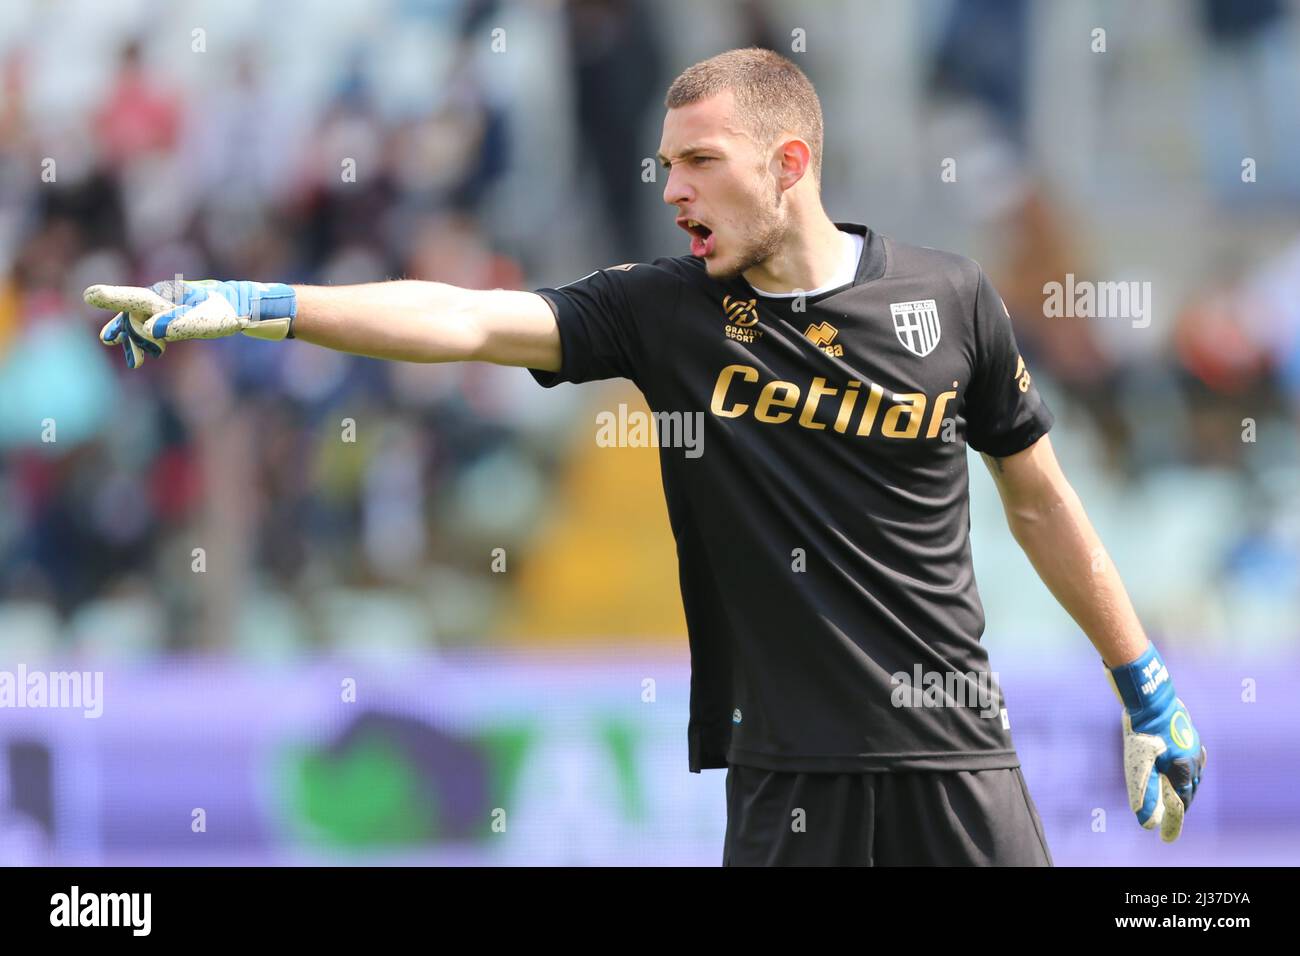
(702, 240)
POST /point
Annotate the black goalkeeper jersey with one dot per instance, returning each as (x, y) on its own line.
(823, 525)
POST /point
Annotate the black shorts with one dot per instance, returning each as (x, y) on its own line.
(907, 818)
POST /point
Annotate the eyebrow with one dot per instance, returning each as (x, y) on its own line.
(688, 152)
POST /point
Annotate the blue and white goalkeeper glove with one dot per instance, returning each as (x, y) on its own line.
(176, 310)
(1163, 755)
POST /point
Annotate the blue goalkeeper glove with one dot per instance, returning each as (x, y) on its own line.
(1163, 755)
(173, 311)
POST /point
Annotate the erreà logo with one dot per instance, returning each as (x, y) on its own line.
(822, 335)
(742, 316)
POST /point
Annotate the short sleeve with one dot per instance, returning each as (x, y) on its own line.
(1004, 412)
(604, 321)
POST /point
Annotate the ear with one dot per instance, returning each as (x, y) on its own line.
(794, 160)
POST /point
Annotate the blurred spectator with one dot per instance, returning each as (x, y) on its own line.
(983, 56)
(1250, 74)
(617, 76)
(139, 116)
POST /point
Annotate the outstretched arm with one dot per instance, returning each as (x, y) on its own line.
(406, 320)
(414, 321)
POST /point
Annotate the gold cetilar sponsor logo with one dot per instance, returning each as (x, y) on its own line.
(822, 335)
(742, 316)
(739, 391)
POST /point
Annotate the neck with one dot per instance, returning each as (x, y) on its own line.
(807, 258)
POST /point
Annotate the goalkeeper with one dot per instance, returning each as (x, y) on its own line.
(841, 375)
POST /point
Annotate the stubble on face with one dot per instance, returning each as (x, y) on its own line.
(765, 233)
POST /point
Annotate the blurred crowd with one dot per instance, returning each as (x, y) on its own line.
(236, 460)
(282, 474)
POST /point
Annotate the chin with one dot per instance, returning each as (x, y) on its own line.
(721, 268)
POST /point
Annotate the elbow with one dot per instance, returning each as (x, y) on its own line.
(1030, 518)
(1020, 525)
(456, 334)
(1023, 515)
(475, 343)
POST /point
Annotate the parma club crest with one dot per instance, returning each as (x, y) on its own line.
(917, 325)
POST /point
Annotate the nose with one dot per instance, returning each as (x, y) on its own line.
(676, 190)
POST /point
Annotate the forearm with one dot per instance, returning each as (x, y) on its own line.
(406, 320)
(1069, 557)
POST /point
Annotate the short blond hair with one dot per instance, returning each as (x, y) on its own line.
(772, 95)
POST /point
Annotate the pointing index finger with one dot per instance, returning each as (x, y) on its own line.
(126, 298)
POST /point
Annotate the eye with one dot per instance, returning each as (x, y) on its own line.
(701, 160)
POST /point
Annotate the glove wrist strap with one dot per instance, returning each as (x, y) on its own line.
(275, 300)
(273, 305)
(1143, 684)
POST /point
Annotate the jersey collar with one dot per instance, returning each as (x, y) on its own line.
(871, 266)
